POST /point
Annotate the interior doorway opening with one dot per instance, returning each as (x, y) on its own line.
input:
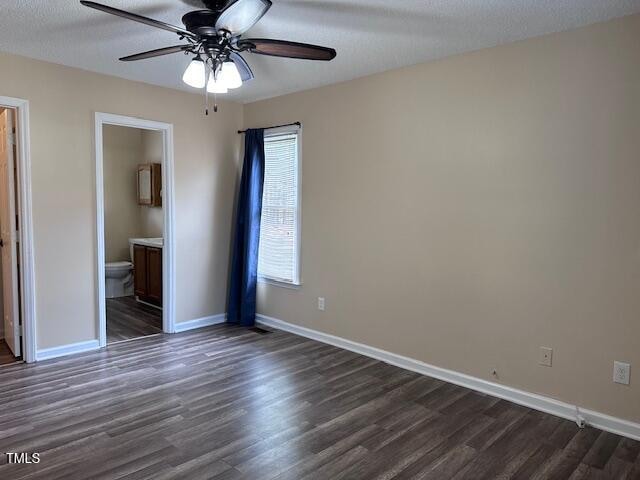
(133, 231)
(134, 193)
(11, 339)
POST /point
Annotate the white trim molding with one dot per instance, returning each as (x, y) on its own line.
(200, 322)
(532, 400)
(64, 350)
(168, 250)
(27, 266)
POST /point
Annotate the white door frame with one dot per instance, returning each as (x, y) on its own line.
(27, 269)
(168, 250)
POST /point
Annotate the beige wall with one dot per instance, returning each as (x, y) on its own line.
(466, 212)
(122, 152)
(63, 102)
(152, 217)
(125, 148)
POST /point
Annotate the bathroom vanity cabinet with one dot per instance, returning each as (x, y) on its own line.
(147, 274)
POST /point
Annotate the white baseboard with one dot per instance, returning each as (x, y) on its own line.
(200, 322)
(48, 353)
(148, 304)
(521, 397)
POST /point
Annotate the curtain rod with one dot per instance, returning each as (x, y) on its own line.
(298, 124)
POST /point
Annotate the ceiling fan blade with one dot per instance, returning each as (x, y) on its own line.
(137, 18)
(241, 15)
(283, 48)
(158, 52)
(242, 65)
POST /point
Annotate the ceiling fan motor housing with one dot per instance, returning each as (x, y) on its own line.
(216, 5)
(201, 22)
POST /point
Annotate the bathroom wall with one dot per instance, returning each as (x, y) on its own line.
(124, 148)
(122, 152)
(152, 219)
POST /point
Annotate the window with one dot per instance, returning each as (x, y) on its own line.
(278, 257)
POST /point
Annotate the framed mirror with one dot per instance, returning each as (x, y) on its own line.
(150, 184)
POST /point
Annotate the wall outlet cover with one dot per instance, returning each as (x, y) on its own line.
(546, 356)
(321, 304)
(621, 372)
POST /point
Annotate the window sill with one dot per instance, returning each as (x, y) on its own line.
(276, 283)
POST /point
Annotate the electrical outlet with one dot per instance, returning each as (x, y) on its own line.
(546, 356)
(321, 304)
(621, 372)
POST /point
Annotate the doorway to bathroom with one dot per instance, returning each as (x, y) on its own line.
(134, 191)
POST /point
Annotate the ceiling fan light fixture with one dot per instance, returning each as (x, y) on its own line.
(216, 86)
(194, 75)
(229, 75)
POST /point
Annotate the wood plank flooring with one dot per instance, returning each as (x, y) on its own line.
(6, 356)
(127, 319)
(228, 403)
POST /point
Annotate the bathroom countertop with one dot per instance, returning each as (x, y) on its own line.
(148, 242)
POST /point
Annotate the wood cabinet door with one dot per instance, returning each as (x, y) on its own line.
(156, 185)
(154, 275)
(140, 270)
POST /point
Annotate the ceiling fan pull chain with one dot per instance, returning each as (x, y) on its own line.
(206, 92)
(215, 94)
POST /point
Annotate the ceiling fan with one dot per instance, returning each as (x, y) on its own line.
(213, 35)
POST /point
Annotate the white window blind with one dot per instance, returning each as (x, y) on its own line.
(279, 227)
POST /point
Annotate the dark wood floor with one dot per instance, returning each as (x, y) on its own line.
(6, 356)
(229, 403)
(127, 319)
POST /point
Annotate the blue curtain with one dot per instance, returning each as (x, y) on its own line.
(244, 263)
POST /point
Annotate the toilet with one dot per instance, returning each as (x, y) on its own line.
(118, 279)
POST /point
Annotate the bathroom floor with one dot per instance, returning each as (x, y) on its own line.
(6, 356)
(127, 319)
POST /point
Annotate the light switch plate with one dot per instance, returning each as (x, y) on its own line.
(621, 372)
(546, 356)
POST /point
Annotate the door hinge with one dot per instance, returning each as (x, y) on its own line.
(12, 139)
(21, 330)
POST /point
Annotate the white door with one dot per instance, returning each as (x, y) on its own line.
(8, 234)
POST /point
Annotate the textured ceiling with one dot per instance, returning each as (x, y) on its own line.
(369, 35)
